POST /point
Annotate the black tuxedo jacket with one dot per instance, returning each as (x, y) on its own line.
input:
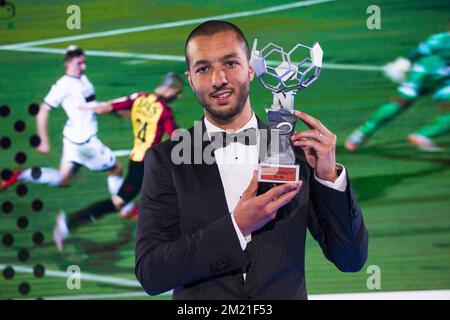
(186, 240)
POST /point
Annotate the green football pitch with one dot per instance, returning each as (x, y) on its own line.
(404, 193)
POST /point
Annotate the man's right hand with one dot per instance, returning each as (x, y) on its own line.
(253, 212)
(44, 147)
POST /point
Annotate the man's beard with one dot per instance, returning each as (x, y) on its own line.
(226, 114)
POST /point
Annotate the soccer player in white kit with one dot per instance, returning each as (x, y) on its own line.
(81, 146)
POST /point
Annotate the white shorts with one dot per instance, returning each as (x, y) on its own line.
(92, 154)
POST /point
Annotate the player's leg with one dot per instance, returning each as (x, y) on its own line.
(70, 162)
(67, 172)
(51, 176)
(130, 189)
(382, 116)
(409, 91)
(67, 223)
(44, 175)
(115, 179)
(90, 213)
(423, 138)
(98, 157)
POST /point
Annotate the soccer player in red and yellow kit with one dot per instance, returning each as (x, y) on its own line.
(151, 117)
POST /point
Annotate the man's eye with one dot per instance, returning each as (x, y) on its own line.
(231, 63)
(201, 70)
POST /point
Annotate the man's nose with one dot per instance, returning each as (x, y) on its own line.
(219, 79)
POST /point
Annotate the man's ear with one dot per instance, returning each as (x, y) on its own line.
(67, 64)
(188, 75)
(251, 72)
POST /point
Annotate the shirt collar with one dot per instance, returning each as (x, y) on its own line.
(252, 123)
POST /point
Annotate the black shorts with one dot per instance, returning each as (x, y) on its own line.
(133, 181)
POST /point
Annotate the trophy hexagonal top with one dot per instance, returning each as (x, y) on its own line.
(287, 75)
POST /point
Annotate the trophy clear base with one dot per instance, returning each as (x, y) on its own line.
(278, 173)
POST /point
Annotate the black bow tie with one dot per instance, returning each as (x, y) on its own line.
(222, 139)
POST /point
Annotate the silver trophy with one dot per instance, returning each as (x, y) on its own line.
(284, 78)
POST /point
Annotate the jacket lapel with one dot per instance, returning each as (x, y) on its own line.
(207, 173)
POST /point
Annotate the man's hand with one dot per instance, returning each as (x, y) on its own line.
(253, 212)
(44, 147)
(319, 145)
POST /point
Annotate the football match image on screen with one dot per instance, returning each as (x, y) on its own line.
(224, 150)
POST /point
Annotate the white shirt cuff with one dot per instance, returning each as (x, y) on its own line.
(341, 182)
(241, 237)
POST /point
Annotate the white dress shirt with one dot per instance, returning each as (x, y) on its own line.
(236, 163)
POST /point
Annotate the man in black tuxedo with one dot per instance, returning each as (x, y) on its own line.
(208, 230)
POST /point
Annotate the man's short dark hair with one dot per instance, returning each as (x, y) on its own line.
(72, 52)
(212, 27)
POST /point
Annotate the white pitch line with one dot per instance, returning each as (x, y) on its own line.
(111, 54)
(171, 24)
(84, 276)
(356, 67)
(138, 294)
(98, 53)
(386, 295)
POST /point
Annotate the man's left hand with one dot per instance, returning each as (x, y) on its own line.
(319, 145)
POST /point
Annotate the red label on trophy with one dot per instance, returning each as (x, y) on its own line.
(278, 173)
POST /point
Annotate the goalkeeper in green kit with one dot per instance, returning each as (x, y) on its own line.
(427, 71)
